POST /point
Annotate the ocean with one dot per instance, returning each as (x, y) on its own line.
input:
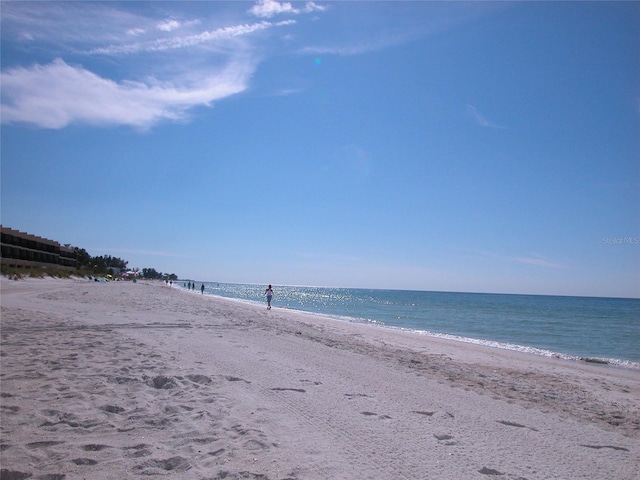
(598, 329)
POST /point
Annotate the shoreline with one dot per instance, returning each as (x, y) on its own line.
(117, 380)
(610, 361)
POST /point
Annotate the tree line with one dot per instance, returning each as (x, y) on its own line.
(106, 264)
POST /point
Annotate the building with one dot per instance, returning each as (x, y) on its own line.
(21, 249)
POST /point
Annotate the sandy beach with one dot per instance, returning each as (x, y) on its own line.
(121, 380)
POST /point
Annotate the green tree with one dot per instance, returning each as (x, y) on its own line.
(151, 273)
(83, 259)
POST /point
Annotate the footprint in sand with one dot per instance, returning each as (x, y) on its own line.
(160, 467)
(139, 450)
(161, 382)
(489, 471)
(93, 447)
(112, 409)
(517, 425)
(447, 439)
(372, 414)
(200, 379)
(45, 444)
(84, 461)
(13, 475)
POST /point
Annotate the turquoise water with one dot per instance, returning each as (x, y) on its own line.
(569, 327)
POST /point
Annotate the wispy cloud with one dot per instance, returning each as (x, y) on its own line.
(283, 92)
(533, 259)
(480, 119)
(177, 42)
(538, 261)
(358, 47)
(388, 27)
(134, 32)
(68, 25)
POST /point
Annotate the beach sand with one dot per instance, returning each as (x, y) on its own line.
(125, 380)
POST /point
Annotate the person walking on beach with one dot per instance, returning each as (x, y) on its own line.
(202, 289)
(269, 293)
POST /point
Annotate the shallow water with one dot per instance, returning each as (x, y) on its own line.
(571, 327)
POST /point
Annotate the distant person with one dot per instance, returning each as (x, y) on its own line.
(189, 285)
(269, 293)
(202, 289)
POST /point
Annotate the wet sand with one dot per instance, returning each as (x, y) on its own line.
(119, 380)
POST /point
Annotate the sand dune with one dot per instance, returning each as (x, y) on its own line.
(120, 380)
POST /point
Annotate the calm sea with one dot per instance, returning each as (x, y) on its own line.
(569, 327)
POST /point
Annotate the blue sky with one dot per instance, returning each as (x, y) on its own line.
(474, 146)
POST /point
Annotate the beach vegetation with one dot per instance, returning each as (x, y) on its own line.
(40, 272)
(89, 270)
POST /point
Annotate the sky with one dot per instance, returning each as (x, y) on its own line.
(445, 146)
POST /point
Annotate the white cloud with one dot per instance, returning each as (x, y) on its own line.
(271, 8)
(168, 25)
(57, 94)
(172, 24)
(312, 7)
